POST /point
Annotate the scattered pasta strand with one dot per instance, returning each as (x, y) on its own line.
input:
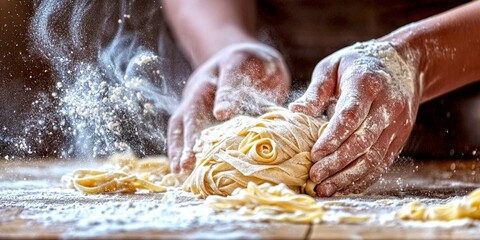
(257, 166)
(275, 203)
(125, 173)
(467, 207)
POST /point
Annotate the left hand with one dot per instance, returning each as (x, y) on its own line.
(376, 93)
(240, 79)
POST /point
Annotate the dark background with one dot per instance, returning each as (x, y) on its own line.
(22, 77)
(444, 127)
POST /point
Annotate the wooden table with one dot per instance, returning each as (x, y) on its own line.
(34, 204)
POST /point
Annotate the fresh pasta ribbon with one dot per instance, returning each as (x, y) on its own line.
(273, 148)
(125, 173)
(467, 207)
(275, 203)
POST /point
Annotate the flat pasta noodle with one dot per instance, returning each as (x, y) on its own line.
(276, 203)
(273, 148)
(467, 207)
(125, 173)
(260, 164)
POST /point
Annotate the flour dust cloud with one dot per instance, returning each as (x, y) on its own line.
(118, 74)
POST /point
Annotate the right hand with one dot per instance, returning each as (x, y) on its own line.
(375, 93)
(240, 79)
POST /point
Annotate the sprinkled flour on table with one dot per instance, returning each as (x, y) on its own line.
(41, 198)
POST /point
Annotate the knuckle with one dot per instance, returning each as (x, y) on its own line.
(326, 66)
(348, 117)
(374, 157)
(319, 70)
(372, 82)
(397, 105)
(360, 143)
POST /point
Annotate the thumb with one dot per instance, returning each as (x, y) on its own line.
(319, 92)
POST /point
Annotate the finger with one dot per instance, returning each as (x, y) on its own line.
(319, 92)
(195, 119)
(396, 147)
(341, 126)
(352, 108)
(226, 103)
(370, 162)
(175, 142)
(371, 136)
(352, 148)
(356, 170)
(388, 140)
(362, 184)
(236, 74)
(193, 125)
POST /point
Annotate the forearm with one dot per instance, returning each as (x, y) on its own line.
(447, 48)
(205, 27)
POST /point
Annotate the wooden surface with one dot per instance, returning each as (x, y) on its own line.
(31, 190)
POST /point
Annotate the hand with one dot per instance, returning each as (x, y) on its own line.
(241, 79)
(375, 91)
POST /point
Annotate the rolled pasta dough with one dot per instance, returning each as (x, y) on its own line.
(273, 148)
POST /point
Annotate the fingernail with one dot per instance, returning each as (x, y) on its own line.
(326, 190)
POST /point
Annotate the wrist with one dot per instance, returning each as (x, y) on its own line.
(209, 47)
(412, 49)
(447, 49)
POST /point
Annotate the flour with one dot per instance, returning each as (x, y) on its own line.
(106, 117)
(43, 199)
(118, 76)
(99, 215)
(397, 72)
(378, 85)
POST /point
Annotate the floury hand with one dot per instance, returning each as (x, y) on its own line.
(376, 94)
(241, 79)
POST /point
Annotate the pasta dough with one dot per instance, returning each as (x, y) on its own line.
(125, 173)
(275, 203)
(468, 207)
(273, 148)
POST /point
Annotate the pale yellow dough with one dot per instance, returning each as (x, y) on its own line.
(273, 148)
(467, 207)
(276, 203)
(261, 164)
(125, 173)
